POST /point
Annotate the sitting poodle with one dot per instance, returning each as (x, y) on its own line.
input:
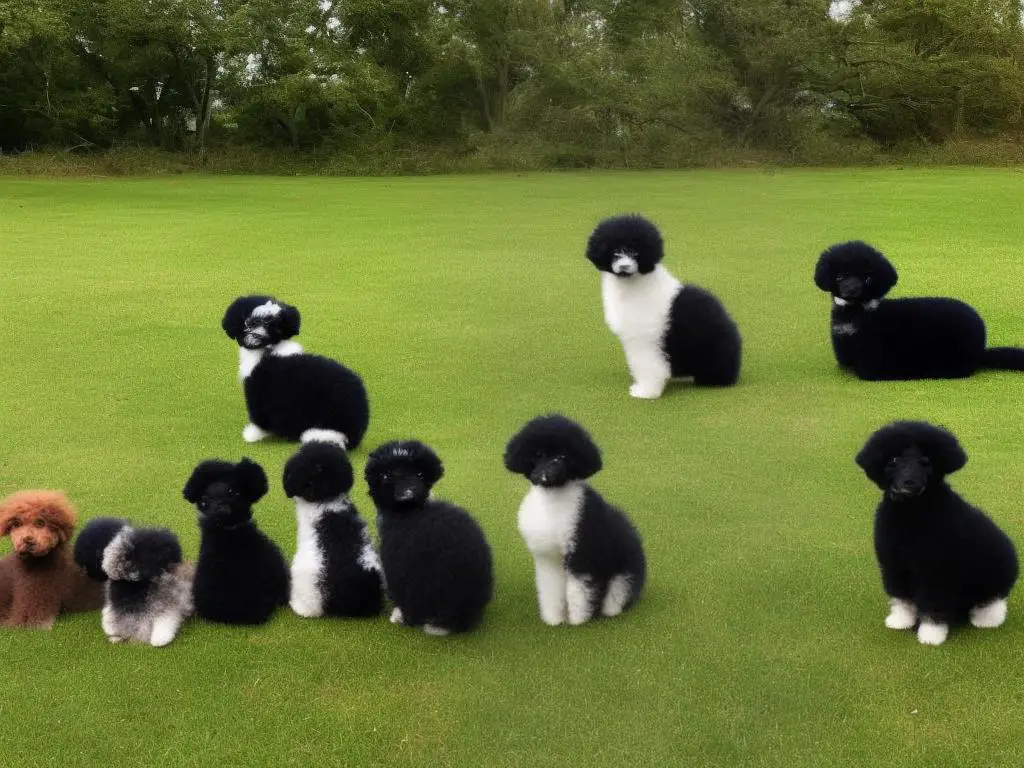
(240, 577)
(39, 580)
(943, 561)
(667, 329)
(588, 556)
(149, 592)
(336, 571)
(437, 564)
(289, 393)
(883, 339)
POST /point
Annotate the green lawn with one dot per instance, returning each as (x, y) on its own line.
(468, 307)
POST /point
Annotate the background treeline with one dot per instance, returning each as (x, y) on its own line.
(539, 83)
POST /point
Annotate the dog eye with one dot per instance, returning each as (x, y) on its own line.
(14, 523)
(385, 476)
(40, 523)
(420, 475)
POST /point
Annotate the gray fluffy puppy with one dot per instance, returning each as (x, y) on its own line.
(149, 592)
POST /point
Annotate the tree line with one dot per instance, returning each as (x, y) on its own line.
(579, 77)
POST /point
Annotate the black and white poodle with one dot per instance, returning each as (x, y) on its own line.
(437, 563)
(883, 339)
(667, 329)
(149, 589)
(943, 561)
(241, 577)
(289, 393)
(589, 558)
(336, 571)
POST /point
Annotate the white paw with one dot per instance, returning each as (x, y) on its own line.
(160, 638)
(902, 615)
(303, 609)
(396, 616)
(115, 639)
(436, 631)
(930, 633)
(579, 618)
(990, 615)
(252, 433)
(644, 393)
(552, 619)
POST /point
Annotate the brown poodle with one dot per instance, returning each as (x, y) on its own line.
(40, 579)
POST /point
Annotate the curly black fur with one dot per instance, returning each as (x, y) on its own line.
(900, 339)
(92, 540)
(934, 549)
(241, 577)
(437, 563)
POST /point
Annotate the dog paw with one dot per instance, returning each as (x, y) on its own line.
(396, 616)
(552, 620)
(436, 631)
(253, 434)
(902, 615)
(115, 638)
(930, 633)
(644, 393)
(160, 639)
(990, 615)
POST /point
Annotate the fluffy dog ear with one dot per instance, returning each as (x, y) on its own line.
(823, 277)
(872, 458)
(201, 478)
(252, 478)
(234, 318)
(290, 321)
(945, 452)
(884, 275)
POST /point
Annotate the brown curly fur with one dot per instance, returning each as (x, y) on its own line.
(40, 579)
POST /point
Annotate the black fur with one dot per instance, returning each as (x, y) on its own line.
(241, 577)
(700, 339)
(901, 339)
(437, 563)
(92, 540)
(934, 549)
(552, 451)
(286, 395)
(154, 551)
(320, 473)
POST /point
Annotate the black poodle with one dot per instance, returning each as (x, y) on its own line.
(241, 577)
(667, 329)
(336, 571)
(898, 339)
(437, 563)
(943, 561)
(589, 558)
(289, 393)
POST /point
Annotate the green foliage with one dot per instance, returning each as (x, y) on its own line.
(643, 81)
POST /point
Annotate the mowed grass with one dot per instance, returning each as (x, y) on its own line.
(468, 307)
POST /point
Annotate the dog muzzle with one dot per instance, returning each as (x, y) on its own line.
(624, 264)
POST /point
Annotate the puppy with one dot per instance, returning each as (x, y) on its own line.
(666, 329)
(437, 564)
(336, 571)
(241, 577)
(589, 558)
(288, 393)
(149, 592)
(943, 561)
(900, 339)
(40, 579)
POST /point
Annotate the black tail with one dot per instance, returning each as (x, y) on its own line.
(1004, 358)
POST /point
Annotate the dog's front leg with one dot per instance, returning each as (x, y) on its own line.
(648, 366)
(110, 626)
(165, 629)
(551, 580)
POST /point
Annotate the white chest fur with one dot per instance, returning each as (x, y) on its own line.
(250, 358)
(638, 306)
(548, 518)
(306, 598)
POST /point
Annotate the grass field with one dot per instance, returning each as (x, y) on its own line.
(468, 307)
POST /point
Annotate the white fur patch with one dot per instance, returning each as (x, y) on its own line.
(115, 554)
(990, 615)
(931, 633)
(615, 599)
(873, 304)
(436, 631)
(902, 614)
(844, 329)
(324, 436)
(247, 360)
(369, 560)
(638, 312)
(579, 597)
(269, 309)
(547, 522)
(625, 263)
(396, 616)
(840, 302)
(165, 628)
(253, 434)
(307, 565)
(286, 348)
